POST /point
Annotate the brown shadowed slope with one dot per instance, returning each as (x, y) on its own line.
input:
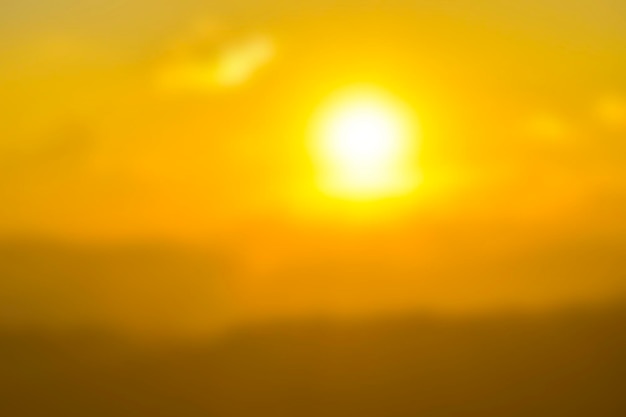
(561, 364)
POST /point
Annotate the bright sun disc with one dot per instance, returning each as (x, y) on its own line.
(364, 146)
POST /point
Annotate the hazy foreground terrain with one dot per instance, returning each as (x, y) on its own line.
(569, 362)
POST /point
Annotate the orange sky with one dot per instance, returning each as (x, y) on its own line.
(186, 123)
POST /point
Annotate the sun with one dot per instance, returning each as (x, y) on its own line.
(364, 143)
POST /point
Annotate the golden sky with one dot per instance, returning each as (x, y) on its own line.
(190, 123)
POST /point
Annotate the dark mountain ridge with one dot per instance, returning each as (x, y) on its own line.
(569, 363)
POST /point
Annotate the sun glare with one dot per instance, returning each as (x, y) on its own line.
(364, 144)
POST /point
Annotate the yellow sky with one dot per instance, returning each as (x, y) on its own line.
(188, 122)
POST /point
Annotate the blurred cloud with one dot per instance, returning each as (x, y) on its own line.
(211, 59)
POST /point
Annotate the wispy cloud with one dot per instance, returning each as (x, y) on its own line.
(210, 59)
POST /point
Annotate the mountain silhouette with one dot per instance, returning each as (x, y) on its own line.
(567, 363)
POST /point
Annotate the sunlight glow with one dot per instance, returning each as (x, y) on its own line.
(364, 146)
